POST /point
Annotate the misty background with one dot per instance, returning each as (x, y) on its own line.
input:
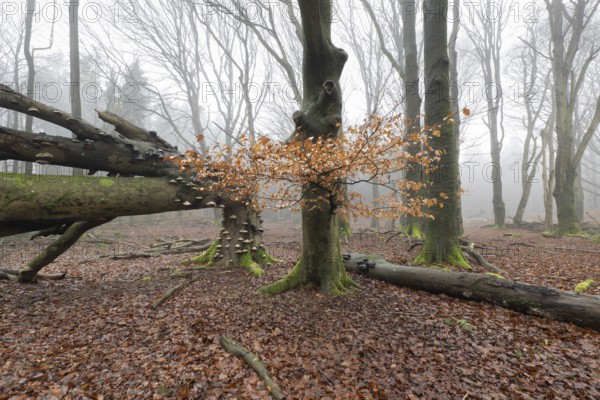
(224, 68)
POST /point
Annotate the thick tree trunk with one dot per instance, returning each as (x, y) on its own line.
(239, 242)
(413, 225)
(541, 301)
(564, 195)
(441, 234)
(454, 97)
(563, 55)
(31, 5)
(321, 261)
(75, 84)
(34, 202)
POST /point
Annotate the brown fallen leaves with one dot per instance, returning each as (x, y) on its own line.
(93, 335)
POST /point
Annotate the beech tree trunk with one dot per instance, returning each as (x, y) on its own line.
(29, 54)
(542, 301)
(321, 261)
(239, 242)
(567, 28)
(454, 104)
(441, 234)
(413, 225)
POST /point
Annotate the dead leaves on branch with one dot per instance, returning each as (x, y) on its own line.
(275, 174)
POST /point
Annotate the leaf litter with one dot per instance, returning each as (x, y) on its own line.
(93, 335)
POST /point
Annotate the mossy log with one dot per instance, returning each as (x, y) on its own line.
(34, 202)
(541, 301)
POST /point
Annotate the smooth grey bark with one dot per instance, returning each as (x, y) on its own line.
(414, 173)
(441, 234)
(30, 10)
(321, 260)
(454, 102)
(569, 22)
(75, 84)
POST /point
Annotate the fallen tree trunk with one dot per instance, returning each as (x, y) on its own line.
(35, 202)
(542, 301)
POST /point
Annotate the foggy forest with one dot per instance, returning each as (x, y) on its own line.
(299, 199)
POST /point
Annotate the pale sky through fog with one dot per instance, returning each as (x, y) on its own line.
(475, 143)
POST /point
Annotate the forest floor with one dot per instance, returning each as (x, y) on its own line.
(94, 336)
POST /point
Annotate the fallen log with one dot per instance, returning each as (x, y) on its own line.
(541, 301)
(33, 202)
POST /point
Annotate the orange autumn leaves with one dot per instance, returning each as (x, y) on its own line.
(275, 174)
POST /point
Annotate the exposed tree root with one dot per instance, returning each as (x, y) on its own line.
(206, 258)
(13, 275)
(237, 349)
(334, 285)
(252, 259)
(452, 255)
(482, 261)
(291, 281)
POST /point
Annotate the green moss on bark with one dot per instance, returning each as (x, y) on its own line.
(431, 253)
(263, 258)
(413, 229)
(250, 265)
(207, 258)
(291, 281)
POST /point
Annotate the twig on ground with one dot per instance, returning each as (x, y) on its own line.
(174, 290)
(237, 349)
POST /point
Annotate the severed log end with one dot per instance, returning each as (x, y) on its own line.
(237, 349)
